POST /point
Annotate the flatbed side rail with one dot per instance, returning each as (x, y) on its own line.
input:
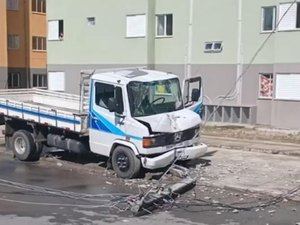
(43, 115)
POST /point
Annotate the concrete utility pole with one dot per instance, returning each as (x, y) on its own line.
(239, 68)
(190, 40)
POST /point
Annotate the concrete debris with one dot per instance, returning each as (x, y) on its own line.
(271, 211)
(218, 213)
(59, 164)
(235, 211)
(109, 183)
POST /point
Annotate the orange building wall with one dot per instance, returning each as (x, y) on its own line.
(26, 24)
(38, 27)
(17, 24)
(3, 35)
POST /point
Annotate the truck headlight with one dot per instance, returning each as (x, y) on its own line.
(154, 141)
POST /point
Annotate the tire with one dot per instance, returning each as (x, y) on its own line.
(125, 163)
(39, 148)
(24, 147)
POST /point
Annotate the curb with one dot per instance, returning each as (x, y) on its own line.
(257, 150)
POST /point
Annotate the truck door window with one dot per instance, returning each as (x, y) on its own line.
(103, 92)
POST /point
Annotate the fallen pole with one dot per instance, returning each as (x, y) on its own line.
(164, 193)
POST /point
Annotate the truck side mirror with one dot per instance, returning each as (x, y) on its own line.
(119, 101)
(195, 95)
(112, 104)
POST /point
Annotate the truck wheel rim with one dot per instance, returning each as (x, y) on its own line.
(20, 145)
(122, 162)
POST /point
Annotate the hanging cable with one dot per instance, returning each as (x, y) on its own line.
(250, 62)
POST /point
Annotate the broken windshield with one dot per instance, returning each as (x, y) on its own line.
(149, 98)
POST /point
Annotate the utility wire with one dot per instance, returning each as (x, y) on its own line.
(250, 62)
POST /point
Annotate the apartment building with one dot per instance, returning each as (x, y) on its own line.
(219, 40)
(23, 43)
(3, 45)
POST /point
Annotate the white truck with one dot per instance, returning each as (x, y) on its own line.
(137, 118)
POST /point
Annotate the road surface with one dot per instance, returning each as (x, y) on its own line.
(54, 191)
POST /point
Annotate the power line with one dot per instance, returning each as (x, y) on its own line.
(260, 48)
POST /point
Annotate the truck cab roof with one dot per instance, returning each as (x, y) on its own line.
(128, 75)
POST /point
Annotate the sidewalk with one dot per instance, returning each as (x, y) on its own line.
(271, 147)
(254, 139)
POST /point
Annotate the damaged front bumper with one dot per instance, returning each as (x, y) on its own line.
(182, 153)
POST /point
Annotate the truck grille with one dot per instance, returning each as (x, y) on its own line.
(174, 138)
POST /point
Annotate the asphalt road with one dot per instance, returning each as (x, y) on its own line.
(53, 191)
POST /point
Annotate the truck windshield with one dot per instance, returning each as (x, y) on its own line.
(149, 98)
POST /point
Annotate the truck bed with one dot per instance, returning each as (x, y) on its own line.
(45, 107)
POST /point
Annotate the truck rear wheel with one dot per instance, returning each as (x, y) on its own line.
(125, 163)
(24, 147)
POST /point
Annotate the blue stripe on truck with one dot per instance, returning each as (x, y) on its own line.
(99, 123)
(44, 115)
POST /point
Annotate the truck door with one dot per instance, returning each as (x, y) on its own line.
(105, 126)
(192, 94)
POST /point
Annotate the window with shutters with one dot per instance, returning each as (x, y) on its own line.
(287, 86)
(266, 85)
(136, 25)
(290, 14)
(164, 25)
(268, 18)
(55, 30)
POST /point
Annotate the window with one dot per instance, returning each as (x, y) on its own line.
(268, 18)
(13, 80)
(39, 43)
(290, 19)
(13, 41)
(56, 81)
(164, 25)
(103, 93)
(150, 98)
(12, 4)
(39, 80)
(39, 6)
(266, 85)
(215, 46)
(287, 86)
(136, 26)
(91, 21)
(55, 30)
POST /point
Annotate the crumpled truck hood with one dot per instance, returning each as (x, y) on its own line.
(173, 121)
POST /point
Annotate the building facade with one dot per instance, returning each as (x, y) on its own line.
(3, 45)
(23, 44)
(219, 40)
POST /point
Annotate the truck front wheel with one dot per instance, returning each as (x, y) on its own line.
(125, 163)
(24, 147)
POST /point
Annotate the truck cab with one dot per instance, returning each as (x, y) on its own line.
(142, 119)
